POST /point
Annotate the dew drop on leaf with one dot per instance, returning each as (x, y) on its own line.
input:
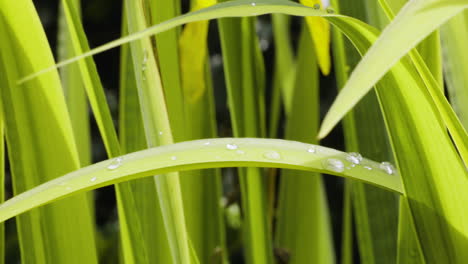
(231, 146)
(253, 4)
(115, 164)
(334, 165)
(387, 167)
(272, 155)
(330, 10)
(354, 157)
(317, 6)
(93, 179)
(312, 149)
(173, 158)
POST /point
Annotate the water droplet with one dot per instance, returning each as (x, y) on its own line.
(207, 143)
(312, 149)
(93, 179)
(231, 146)
(367, 168)
(317, 6)
(333, 165)
(160, 133)
(253, 4)
(240, 152)
(115, 164)
(330, 10)
(173, 158)
(354, 157)
(273, 155)
(387, 167)
(145, 56)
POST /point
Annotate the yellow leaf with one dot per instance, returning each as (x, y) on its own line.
(319, 29)
(193, 47)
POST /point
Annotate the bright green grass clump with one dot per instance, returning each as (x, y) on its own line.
(408, 206)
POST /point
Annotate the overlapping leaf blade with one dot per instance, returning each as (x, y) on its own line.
(41, 142)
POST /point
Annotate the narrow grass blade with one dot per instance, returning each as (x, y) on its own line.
(245, 87)
(201, 189)
(74, 91)
(158, 131)
(456, 129)
(91, 80)
(429, 192)
(375, 212)
(139, 211)
(454, 38)
(169, 63)
(284, 71)
(409, 248)
(199, 154)
(303, 225)
(40, 142)
(416, 20)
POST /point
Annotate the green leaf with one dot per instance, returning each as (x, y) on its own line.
(416, 20)
(454, 37)
(202, 190)
(40, 142)
(199, 154)
(158, 131)
(303, 223)
(74, 90)
(375, 211)
(139, 211)
(91, 80)
(428, 190)
(244, 70)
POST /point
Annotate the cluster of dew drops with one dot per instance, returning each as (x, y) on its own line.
(332, 164)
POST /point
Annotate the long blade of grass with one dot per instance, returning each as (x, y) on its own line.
(340, 60)
(303, 224)
(41, 142)
(74, 90)
(134, 223)
(139, 211)
(168, 59)
(158, 131)
(284, 69)
(416, 20)
(454, 38)
(429, 192)
(202, 189)
(375, 212)
(447, 113)
(91, 80)
(198, 154)
(409, 248)
(245, 87)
